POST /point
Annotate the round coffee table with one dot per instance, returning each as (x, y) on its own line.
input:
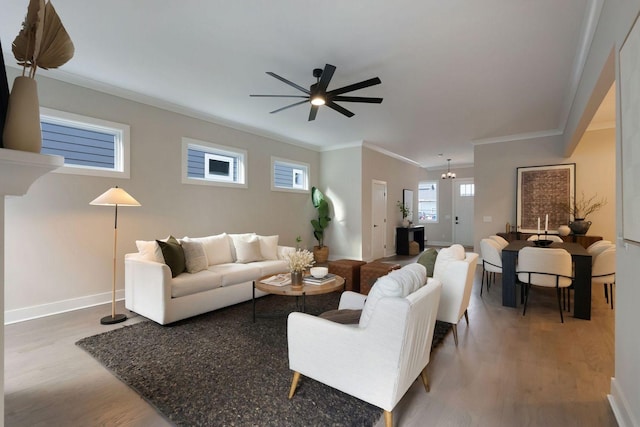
(307, 289)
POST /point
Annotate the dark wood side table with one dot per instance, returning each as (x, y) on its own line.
(404, 235)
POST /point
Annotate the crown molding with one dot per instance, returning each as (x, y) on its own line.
(518, 137)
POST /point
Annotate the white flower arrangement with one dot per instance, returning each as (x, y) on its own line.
(300, 260)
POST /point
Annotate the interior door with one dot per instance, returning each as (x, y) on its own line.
(378, 219)
(463, 195)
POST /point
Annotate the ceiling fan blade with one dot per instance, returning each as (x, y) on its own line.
(281, 96)
(325, 78)
(357, 99)
(339, 109)
(313, 112)
(288, 106)
(366, 83)
(290, 83)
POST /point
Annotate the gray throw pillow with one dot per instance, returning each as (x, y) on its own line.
(428, 259)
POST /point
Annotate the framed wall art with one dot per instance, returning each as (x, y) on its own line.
(543, 192)
(407, 199)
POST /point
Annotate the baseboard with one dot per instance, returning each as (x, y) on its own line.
(37, 311)
(620, 406)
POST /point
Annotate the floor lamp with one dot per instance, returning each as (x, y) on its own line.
(114, 197)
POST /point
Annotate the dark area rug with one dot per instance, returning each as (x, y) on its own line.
(221, 369)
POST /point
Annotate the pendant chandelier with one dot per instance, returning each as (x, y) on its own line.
(449, 174)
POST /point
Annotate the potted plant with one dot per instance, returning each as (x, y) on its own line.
(320, 252)
(404, 210)
(580, 208)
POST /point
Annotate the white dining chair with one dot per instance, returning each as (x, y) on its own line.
(490, 251)
(499, 240)
(544, 267)
(596, 249)
(604, 271)
(552, 237)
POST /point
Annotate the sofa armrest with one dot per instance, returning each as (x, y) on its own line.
(351, 301)
(284, 250)
(147, 287)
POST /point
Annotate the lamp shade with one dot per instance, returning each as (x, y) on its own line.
(115, 197)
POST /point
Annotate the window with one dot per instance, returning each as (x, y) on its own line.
(89, 146)
(428, 201)
(288, 175)
(204, 163)
(467, 190)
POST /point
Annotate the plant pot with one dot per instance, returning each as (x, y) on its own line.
(580, 226)
(321, 253)
(406, 223)
(22, 126)
(296, 279)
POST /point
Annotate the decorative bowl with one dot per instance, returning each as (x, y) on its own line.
(542, 242)
(319, 272)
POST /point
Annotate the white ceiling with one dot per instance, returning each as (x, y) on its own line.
(453, 72)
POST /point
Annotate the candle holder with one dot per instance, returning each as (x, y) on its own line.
(543, 243)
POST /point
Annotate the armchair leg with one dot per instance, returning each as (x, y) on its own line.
(466, 317)
(455, 333)
(388, 419)
(425, 379)
(294, 383)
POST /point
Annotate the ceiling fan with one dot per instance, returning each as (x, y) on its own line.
(318, 95)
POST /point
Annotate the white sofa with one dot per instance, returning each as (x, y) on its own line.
(222, 267)
(378, 359)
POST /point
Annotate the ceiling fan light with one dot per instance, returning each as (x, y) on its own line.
(317, 100)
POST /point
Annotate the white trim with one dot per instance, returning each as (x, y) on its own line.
(611, 124)
(620, 406)
(390, 154)
(518, 137)
(296, 164)
(122, 144)
(49, 309)
(233, 151)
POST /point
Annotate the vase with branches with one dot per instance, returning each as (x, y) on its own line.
(580, 208)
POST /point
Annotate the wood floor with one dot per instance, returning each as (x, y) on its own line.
(508, 370)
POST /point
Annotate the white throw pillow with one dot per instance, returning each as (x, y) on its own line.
(385, 286)
(233, 238)
(445, 257)
(150, 250)
(194, 256)
(216, 248)
(269, 247)
(248, 251)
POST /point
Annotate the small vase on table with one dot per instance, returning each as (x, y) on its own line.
(296, 280)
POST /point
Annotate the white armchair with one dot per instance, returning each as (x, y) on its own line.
(455, 269)
(375, 361)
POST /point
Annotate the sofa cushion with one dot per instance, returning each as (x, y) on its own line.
(233, 238)
(234, 273)
(428, 259)
(173, 255)
(188, 284)
(248, 250)
(194, 257)
(271, 266)
(216, 248)
(269, 246)
(150, 250)
(445, 257)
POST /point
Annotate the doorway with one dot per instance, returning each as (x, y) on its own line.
(378, 219)
(463, 196)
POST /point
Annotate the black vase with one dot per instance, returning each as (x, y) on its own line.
(580, 226)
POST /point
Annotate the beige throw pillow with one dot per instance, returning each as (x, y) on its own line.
(195, 258)
(248, 251)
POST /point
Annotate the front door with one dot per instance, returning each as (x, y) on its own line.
(463, 194)
(378, 219)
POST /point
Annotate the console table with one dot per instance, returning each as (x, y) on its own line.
(584, 240)
(404, 235)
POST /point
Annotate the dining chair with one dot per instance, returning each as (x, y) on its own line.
(544, 267)
(552, 237)
(596, 249)
(500, 240)
(604, 271)
(491, 262)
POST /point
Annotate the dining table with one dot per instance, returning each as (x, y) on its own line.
(581, 281)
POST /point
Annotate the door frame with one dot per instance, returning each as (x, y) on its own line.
(384, 234)
(468, 180)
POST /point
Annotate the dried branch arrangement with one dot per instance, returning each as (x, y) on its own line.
(43, 41)
(583, 207)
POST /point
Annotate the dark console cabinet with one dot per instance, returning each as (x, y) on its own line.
(404, 235)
